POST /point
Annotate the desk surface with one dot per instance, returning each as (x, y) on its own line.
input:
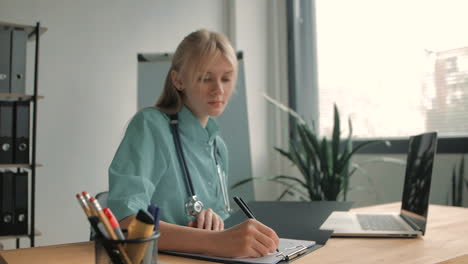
(445, 242)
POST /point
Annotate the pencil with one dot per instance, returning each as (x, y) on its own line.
(83, 204)
(86, 197)
(102, 217)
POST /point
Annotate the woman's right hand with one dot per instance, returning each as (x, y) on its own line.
(248, 239)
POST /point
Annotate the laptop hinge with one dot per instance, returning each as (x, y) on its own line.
(410, 222)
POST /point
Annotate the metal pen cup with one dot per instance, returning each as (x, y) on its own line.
(107, 250)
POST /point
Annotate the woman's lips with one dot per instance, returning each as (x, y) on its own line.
(216, 103)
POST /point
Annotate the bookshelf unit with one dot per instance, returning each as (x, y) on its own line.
(33, 34)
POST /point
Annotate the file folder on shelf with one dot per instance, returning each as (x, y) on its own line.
(21, 141)
(6, 132)
(18, 61)
(5, 47)
(20, 221)
(13, 203)
(7, 203)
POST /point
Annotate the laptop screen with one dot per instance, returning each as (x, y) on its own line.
(415, 201)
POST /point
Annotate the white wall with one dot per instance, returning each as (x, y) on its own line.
(255, 29)
(88, 77)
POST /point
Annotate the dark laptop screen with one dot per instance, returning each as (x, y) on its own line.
(415, 201)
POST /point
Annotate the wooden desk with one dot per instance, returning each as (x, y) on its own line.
(446, 241)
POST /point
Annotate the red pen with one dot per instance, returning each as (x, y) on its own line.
(114, 223)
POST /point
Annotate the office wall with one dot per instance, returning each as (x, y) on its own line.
(88, 75)
(253, 31)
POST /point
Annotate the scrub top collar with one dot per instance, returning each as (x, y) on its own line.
(191, 127)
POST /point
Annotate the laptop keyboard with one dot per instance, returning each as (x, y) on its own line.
(380, 222)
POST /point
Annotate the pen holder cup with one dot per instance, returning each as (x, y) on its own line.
(109, 251)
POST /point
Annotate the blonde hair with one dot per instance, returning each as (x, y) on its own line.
(192, 57)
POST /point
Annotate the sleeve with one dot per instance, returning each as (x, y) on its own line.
(136, 169)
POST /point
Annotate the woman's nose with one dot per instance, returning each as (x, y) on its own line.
(218, 87)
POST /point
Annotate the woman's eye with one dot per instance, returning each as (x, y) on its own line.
(226, 79)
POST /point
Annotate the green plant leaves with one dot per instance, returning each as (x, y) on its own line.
(323, 163)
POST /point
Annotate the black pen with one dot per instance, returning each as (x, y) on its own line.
(243, 206)
(113, 253)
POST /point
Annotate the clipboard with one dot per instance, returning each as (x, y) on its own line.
(289, 249)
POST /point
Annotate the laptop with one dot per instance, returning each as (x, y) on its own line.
(411, 221)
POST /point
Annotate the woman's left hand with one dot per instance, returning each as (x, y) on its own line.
(208, 219)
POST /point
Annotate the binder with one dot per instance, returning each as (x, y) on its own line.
(18, 61)
(6, 132)
(21, 137)
(20, 198)
(5, 45)
(7, 204)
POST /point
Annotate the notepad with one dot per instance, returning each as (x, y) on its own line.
(288, 250)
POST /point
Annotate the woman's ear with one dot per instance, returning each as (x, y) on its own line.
(176, 80)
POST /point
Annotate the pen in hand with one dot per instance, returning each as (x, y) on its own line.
(243, 206)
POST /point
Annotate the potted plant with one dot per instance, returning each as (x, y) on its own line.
(324, 163)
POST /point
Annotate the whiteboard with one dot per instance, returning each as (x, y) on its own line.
(233, 123)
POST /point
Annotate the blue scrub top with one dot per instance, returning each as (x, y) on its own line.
(145, 169)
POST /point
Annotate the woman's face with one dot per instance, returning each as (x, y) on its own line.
(209, 95)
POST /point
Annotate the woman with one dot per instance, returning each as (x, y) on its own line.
(147, 168)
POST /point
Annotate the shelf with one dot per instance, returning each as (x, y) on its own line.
(28, 28)
(24, 166)
(33, 34)
(36, 233)
(21, 96)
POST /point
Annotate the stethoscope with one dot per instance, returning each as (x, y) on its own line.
(193, 206)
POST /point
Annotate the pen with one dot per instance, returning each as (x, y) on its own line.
(114, 223)
(243, 206)
(83, 204)
(102, 217)
(115, 255)
(154, 211)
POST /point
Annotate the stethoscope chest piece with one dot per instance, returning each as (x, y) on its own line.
(193, 206)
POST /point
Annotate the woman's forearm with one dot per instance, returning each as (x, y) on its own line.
(181, 238)
(248, 239)
(186, 239)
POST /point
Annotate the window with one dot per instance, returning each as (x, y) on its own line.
(396, 68)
